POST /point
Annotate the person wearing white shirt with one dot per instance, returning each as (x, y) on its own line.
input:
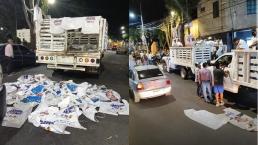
(240, 44)
(254, 41)
(8, 58)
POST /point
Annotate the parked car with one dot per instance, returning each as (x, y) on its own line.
(114, 47)
(148, 81)
(22, 55)
(122, 50)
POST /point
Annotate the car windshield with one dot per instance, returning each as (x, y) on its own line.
(150, 73)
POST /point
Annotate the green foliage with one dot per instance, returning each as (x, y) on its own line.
(180, 6)
(134, 34)
(44, 6)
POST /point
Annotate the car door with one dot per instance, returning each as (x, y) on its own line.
(17, 60)
(28, 56)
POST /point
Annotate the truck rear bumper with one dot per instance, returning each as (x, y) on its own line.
(93, 69)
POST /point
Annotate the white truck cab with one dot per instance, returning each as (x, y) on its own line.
(242, 68)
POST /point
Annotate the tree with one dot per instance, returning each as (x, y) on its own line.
(28, 6)
(7, 19)
(134, 34)
(186, 10)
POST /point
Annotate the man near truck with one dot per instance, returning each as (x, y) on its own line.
(8, 57)
(205, 80)
(217, 84)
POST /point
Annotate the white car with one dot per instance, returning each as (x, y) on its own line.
(148, 81)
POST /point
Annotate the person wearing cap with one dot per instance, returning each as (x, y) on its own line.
(254, 41)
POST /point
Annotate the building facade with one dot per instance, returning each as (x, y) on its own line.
(226, 19)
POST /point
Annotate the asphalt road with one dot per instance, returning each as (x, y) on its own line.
(111, 130)
(161, 121)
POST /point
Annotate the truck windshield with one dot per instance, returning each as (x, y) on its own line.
(149, 73)
(78, 42)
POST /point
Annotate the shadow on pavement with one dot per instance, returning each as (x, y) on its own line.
(74, 74)
(156, 102)
(7, 134)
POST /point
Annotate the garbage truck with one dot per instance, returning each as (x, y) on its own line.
(72, 43)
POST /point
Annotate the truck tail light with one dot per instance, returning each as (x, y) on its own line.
(140, 86)
(86, 60)
(80, 60)
(92, 60)
(51, 58)
(42, 57)
(168, 82)
(46, 57)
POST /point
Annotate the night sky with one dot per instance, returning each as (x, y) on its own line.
(152, 10)
(115, 11)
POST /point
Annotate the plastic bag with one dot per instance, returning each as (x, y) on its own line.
(89, 111)
(16, 117)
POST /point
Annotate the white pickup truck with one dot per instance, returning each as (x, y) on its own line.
(72, 43)
(185, 58)
(243, 69)
(241, 65)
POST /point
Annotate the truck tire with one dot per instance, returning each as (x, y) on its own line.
(183, 73)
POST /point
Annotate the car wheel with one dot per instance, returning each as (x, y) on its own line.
(183, 73)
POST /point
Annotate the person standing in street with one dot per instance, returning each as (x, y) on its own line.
(217, 84)
(197, 69)
(8, 58)
(205, 80)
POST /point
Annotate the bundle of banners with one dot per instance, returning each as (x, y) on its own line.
(58, 105)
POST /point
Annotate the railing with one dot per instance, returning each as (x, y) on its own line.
(246, 66)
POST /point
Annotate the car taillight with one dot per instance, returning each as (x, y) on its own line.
(140, 86)
(92, 60)
(168, 82)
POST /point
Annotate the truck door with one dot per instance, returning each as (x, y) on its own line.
(229, 85)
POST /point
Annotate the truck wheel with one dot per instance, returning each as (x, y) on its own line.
(183, 73)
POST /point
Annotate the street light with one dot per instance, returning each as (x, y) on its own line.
(123, 32)
(1, 28)
(131, 15)
(51, 1)
(172, 13)
(123, 27)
